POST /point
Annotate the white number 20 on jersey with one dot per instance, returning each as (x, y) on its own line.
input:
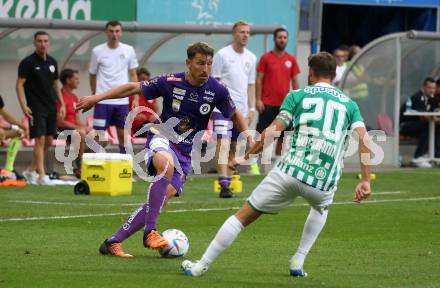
(328, 112)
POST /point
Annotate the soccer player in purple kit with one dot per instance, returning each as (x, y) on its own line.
(189, 97)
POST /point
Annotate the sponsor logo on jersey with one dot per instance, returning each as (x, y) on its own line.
(179, 97)
(179, 91)
(175, 79)
(122, 56)
(184, 125)
(208, 98)
(52, 68)
(176, 105)
(194, 97)
(207, 92)
(329, 90)
(298, 162)
(288, 64)
(320, 173)
(205, 109)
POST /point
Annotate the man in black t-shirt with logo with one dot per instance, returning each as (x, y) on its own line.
(37, 88)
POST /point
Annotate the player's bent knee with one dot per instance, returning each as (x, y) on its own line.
(163, 163)
(246, 215)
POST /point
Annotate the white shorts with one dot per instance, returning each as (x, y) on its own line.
(278, 190)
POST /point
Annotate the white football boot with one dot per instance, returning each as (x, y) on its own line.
(296, 270)
(194, 269)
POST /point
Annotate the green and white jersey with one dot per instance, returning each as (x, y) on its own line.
(321, 116)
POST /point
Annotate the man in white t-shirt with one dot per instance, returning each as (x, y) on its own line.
(112, 63)
(234, 65)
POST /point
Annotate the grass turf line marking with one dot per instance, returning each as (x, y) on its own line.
(387, 193)
(210, 209)
(138, 204)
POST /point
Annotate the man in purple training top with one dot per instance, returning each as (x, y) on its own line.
(190, 98)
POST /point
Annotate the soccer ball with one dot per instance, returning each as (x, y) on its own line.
(178, 241)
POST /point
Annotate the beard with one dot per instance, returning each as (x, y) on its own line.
(280, 47)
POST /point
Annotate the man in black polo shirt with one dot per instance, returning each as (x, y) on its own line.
(37, 87)
(417, 126)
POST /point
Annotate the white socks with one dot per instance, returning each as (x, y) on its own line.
(224, 238)
(313, 226)
(232, 227)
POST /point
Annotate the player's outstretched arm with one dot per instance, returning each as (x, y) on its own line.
(363, 188)
(274, 130)
(122, 91)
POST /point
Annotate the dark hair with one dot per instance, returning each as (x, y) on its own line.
(67, 74)
(438, 82)
(113, 23)
(38, 33)
(343, 47)
(352, 51)
(143, 70)
(199, 47)
(428, 80)
(278, 30)
(323, 64)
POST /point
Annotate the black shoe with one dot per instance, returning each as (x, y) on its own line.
(18, 175)
(226, 193)
(103, 249)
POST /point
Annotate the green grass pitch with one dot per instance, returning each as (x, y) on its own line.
(49, 238)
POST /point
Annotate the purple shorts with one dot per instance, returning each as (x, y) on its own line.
(223, 127)
(182, 162)
(106, 115)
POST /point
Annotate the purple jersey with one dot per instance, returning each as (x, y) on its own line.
(192, 106)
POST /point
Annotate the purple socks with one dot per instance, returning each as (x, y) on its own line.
(146, 215)
(155, 201)
(134, 223)
(224, 181)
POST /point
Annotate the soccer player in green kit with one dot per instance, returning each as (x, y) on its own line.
(321, 117)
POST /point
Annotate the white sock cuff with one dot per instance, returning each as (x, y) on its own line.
(235, 223)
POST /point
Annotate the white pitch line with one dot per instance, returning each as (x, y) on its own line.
(61, 217)
(138, 204)
(388, 193)
(210, 209)
(83, 204)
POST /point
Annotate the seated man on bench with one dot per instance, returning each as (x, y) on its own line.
(417, 126)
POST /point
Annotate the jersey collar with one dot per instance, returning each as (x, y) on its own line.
(323, 84)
